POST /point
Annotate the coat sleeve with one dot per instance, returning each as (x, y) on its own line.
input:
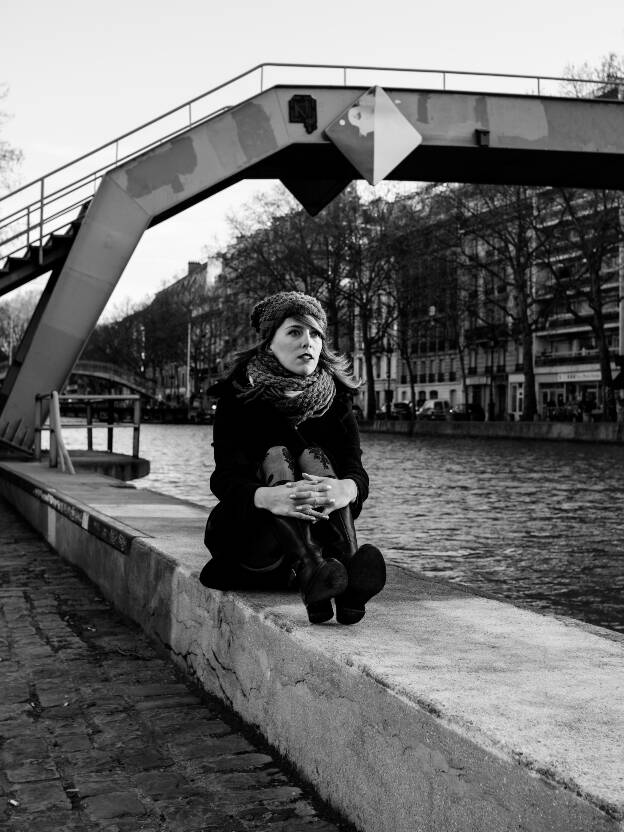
(351, 456)
(234, 480)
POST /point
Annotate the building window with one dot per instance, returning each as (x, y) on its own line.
(517, 397)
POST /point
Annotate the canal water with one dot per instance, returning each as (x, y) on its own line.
(540, 523)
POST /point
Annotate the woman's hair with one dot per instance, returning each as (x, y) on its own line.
(329, 360)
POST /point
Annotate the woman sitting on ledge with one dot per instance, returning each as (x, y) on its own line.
(288, 472)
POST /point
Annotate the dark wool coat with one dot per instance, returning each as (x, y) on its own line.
(243, 432)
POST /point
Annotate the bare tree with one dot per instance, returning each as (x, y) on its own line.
(120, 341)
(583, 261)
(10, 157)
(371, 229)
(15, 314)
(424, 281)
(503, 231)
(603, 81)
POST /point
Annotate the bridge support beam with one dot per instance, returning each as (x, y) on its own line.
(110, 232)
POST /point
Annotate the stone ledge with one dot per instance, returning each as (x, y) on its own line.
(442, 710)
(600, 432)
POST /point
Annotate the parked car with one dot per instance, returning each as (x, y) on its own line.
(433, 409)
(470, 412)
(403, 410)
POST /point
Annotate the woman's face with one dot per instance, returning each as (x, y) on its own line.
(297, 345)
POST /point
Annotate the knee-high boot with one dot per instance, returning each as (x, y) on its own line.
(319, 579)
(366, 569)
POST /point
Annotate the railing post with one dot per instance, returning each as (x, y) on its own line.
(137, 427)
(54, 449)
(42, 194)
(538, 86)
(111, 421)
(89, 426)
(38, 414)
(262, 78)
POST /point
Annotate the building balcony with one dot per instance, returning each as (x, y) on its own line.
(557, 359)
(610, 313)
(490, 333)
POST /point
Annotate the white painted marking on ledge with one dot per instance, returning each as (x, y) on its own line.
(51, 527)
(168, 510)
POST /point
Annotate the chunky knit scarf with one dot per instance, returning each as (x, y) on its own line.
(297, 397)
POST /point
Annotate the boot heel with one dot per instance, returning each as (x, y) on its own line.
(328, 580)
(320, 611)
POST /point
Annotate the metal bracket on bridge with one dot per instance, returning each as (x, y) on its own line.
(302, 110)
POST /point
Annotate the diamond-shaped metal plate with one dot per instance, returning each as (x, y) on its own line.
(315, 194)
(374, 135)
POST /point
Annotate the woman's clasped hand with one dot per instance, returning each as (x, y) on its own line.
(312, 498)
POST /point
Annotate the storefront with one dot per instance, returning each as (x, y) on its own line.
(568, 394)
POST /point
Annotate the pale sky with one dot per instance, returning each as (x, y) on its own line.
(81, 73)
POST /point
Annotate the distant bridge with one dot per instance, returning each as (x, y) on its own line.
(109, 372)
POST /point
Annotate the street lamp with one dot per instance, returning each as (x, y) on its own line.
(389, 393)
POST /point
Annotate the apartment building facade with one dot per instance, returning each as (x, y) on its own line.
(481, 357)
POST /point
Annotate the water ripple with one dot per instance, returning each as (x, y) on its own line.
(534, 522)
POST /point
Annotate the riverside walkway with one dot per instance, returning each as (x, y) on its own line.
(442, 710)
(97, 730)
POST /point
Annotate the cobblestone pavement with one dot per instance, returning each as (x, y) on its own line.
(99, 732)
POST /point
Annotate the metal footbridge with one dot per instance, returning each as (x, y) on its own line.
(315, 128)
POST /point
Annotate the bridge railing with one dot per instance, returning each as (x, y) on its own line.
(93, 406)
(114, 373)
(50, 203)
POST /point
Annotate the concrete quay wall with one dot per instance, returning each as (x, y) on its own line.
(442, 710)
(604, 432)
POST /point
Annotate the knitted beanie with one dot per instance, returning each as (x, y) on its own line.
(276, 308)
